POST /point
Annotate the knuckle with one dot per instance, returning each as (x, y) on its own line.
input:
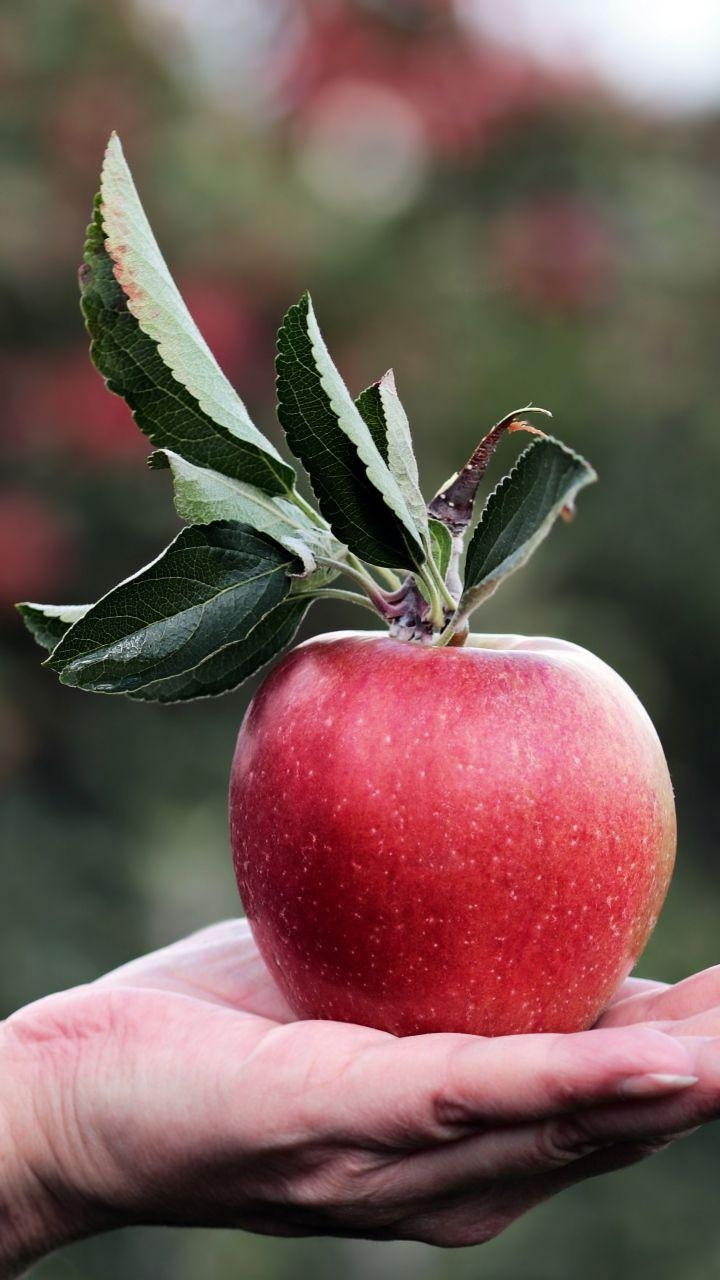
(450, 1104)
(563, 1069)
(562, 1140)
(58, 1023)
(344, 1186)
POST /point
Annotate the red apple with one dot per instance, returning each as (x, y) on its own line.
(471, 839)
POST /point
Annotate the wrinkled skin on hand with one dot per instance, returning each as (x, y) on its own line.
(181, 1089)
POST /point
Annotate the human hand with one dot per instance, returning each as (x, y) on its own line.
(689, 1008)
(181, 1089)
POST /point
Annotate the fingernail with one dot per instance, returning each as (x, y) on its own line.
(653, 1083)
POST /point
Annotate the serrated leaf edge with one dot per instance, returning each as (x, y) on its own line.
(353, 425)
(475, 595)
(48, 662)
(116, 225)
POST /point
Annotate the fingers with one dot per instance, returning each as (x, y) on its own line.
(706, 1024)
(174, 967)
(535, 1160)
(524, 1153)
(430, 1088)
(219, 965)
(478, 1212)
(633, 987)
(571, 1147)
(673, 1115)
(692, 996)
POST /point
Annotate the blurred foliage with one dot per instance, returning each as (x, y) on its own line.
(498, 235)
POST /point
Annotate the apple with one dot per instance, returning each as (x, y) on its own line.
(432, 830)
(473, 839)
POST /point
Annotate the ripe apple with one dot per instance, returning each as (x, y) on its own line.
(472, 839)
(431, 830)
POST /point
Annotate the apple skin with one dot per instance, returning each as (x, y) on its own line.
(473, 839)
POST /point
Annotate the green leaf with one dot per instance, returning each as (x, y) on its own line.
(227, 668)
(519, 514)
(49, 622)
(206, 591)
(441, 543)
(387, 422)
(369, 406)
(202, 496)
(355, 489)
(147, 347)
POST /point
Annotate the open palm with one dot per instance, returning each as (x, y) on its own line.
(182, 1089)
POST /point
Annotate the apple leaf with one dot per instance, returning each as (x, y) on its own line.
(442, 545)
(385, 417)
(233, 663)
(519, 514)
(147, 347)
(202, 496)
(355, 489)
(454, 503)
(206, 591)
(370, 409)
(231, 590)
(49, 622)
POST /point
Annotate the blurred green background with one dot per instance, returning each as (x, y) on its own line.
(497, 228)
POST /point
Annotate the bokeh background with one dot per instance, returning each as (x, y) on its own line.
(506, 202)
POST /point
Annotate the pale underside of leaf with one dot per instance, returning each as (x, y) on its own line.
(49, 622)
(202, 496)
(384, 415)
(518, 516)
(155, 301)
(353, 425)
(162, 407)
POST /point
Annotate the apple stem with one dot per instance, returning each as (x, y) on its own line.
(389, 605)
(309, 511)
(336, 593)
(408, 613)
(390, 577)
(434, 579)
(450, 638)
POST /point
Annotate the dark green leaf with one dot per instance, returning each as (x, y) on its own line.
(49, 622)
(234, 663)
(146, 345)
(370, 408)
(206, 591)
(356, 492)
(519, 514)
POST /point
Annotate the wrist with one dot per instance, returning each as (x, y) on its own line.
(37, 1214)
